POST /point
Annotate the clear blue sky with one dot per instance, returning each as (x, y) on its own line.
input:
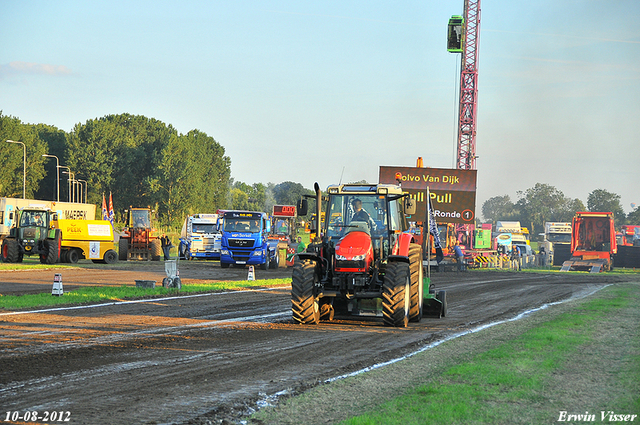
(312, 91)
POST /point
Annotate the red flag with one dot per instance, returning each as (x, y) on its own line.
(111, 214)
(105, 216)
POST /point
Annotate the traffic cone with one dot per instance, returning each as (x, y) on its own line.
(251, 275)
(57, 285)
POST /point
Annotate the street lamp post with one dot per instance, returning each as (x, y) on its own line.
(85, 190)
(57, 174)
(24, 169)
(70, 174)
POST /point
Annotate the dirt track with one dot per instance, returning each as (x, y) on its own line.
(213, 357)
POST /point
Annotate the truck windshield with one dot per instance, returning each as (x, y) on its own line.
(204, 228)
(560, 237)
(247, 225)
(350, 211)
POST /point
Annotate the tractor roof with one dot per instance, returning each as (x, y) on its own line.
(365, 189)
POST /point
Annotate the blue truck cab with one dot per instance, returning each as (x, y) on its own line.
(245, 240)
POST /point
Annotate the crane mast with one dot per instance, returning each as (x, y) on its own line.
(468, 107)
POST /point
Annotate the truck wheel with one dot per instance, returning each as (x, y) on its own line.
(10, 251)
(224, 265)
(304, 306)
(123, 249)
(417, 294)
(73, 256)
(110, 257)
(265, 265)
(396, 295)
(276, 261)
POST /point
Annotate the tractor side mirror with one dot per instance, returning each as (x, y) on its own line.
(303, 207)
(409, 206)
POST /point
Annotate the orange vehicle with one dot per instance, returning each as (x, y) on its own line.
(593, 242)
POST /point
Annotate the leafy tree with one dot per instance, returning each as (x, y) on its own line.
(601, 200)
(288, 193)
(634, 217)
(144, 162)
(498, 208)
(14, 171)
(543, 203)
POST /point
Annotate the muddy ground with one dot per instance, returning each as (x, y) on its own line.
(213, 358)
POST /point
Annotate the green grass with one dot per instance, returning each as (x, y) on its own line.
(99, 294)
(506, 383)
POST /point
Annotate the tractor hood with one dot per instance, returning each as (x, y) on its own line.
(354, 252)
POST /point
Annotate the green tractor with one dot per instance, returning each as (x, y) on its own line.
(33, 233)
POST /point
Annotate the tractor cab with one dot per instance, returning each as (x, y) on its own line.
(365, 222)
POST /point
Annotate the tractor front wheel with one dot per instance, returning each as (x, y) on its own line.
(304, 305)
(10, 251)
(396, 295)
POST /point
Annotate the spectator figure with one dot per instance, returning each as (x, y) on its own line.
(301, 246)
(166, 246)
(459, 256)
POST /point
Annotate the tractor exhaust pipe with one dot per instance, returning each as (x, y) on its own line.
(316, 187)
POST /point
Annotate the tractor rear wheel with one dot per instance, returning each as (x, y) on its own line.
(396, 295)
(304, 305)
(417, 295)
(10, 251)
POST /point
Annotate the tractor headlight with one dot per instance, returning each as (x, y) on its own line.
(354, 258)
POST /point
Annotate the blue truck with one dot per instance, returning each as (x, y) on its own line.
(245, 240)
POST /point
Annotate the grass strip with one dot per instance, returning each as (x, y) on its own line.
(97, 294)
(510, 383)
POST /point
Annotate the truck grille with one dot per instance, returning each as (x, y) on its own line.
(240, 243)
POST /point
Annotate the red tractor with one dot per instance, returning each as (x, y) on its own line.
(363, 261)
(138, 243)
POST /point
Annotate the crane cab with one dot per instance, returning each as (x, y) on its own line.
(455, 34)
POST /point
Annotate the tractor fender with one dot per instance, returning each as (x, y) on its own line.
(398, 259)
(309, 256)
(402, 245)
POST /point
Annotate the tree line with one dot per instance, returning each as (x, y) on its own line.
(544, 202)
(144, 162)
(141, 161)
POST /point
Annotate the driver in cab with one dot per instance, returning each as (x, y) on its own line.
(361, 214)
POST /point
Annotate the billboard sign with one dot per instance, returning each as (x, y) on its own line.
(453, 191)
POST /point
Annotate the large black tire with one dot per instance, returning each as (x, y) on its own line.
(10, 251)
(73, 256)
(51, 252)
(156, 249)
(396, 295)
(304, 305)
(265, 265)
(276, 262)
(417, 283)
(110, 257)
(123, 249)
(224, 265)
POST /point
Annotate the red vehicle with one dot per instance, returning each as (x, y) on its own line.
(628, 235)
(593, 242)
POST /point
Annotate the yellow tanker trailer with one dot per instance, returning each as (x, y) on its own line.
(88, 239)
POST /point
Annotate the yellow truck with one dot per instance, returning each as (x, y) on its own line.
(87, 239)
